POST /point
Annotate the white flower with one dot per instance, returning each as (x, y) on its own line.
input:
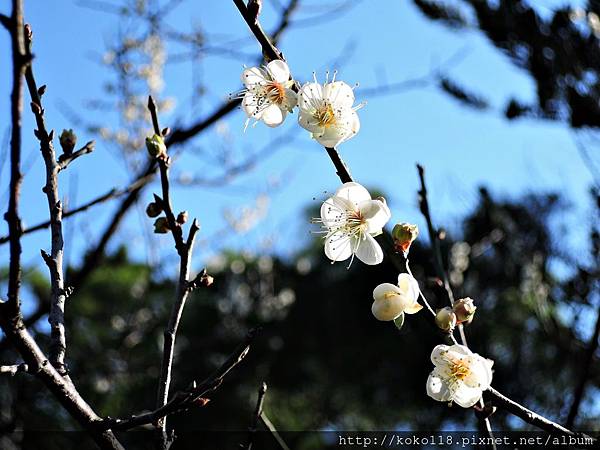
(268, 96)
(326, 111)
(389, 300)
(459, 375)
(351, 219)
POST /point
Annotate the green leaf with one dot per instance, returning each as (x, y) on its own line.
(399, 321)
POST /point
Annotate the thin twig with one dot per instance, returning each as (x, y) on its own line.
(535, 419)
(58, 345)
(112, 194)
(256, 416)
(184, 287)
(12, 215)
(273, 431)
(14, 369)
(437, 252)
(190, 397)
(64, 160)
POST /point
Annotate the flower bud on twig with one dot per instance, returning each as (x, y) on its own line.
(464, 310)
(156, 146)
(161, 226)
(404, 234)
(68, 140)
(182, 217)
(153, 209)
(445, 319)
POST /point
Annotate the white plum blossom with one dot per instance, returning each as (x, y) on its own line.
(268, 95)
(390, 301)
(459, 375)
(327, 112)
(351, 219)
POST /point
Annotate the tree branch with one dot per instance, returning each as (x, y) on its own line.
(14, 369)
(112, 194)
(64, 160)
(262, 390)
(184, 286)
(535, 419)
(192, 396)
(58, 345)
(12, 214)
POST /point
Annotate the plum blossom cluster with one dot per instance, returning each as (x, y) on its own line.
(325, 110)
(351, 219)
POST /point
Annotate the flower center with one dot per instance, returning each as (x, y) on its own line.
(460, 370)
(275, 92)
(325, 115)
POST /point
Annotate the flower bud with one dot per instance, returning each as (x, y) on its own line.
(464, 310)
(68, 140)
(161, 226)
(156, 146)
(153, 209)
(404, 234)
(445, 318)
(182, 217)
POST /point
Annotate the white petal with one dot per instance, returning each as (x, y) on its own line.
(279, 71)
(380, 291)
(438, 355)
(309, 122)
(466, 396)
(386, 309)
(409, 286)
(376, 213)
(437, 388)
(461, 349)
(253, 76)
(310, 96)
(339, 94)
(330, 136)
(250, 106)
(480, 375)
(369, 251)
(353, 192)
(290, 100)
(334, 211)
(338, 246)
(273, 115)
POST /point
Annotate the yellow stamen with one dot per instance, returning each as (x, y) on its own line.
(325, 115)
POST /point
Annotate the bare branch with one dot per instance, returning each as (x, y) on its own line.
(262, 390)
(12, 214)
(270, 52)
(64, 160)
(190, 397)
(184, 286)
(58, 346)
(112, 194)
(14, 369)
(535, 419)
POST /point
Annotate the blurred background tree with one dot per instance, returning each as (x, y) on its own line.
(329, 364)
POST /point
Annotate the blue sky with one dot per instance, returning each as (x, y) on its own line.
(461, 149)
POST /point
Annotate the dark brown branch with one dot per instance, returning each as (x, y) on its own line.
(12, 214)
(256, 416)
(6, 22)
(270, 52)
(535, 419)
(585, 374)
(190, 397)
(64, 160)
(184, 286)
(58, 346)
(61, 387)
